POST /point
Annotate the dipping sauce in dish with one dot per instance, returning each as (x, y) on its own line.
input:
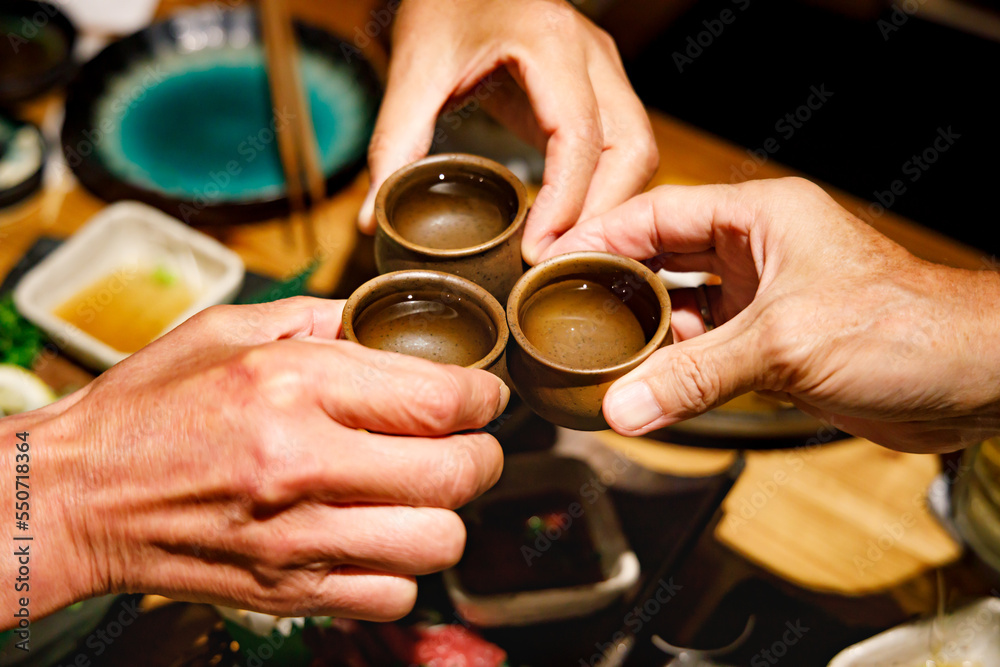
(581, 324)
(528, 543)
(128, 308)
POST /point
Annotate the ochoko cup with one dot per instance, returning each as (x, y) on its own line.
(578, 322)
(455, 213)
(429, 314)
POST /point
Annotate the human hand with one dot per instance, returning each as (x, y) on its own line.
(557, 81)
(816, 307)
(226, 463)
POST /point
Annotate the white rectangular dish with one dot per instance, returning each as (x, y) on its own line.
(126, 236)
(528, 474)
(968, 637)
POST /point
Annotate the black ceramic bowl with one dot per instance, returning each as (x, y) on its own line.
(179, 116)
(36, 49)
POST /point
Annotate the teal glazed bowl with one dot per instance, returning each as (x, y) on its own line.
(179, 116)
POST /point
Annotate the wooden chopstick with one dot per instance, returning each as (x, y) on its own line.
(296, 141)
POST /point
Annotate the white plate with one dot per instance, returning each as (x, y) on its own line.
(124, 235)
(968, 637)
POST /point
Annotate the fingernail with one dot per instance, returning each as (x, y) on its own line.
(504, 398)
(633, 406)
(533, 254)
(367, 211)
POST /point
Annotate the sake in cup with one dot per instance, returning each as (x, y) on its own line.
(455, 213)
(432, 315)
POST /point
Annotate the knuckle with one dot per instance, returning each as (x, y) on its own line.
(378, 145)
(643, 153)
(293, 593)
(799, 185)
(250, 368)
(607, 42)
(697, 390)
(463, 469)
(354, 597)
(560, 15)
(588, 131)
(440, 402)
(781, 344)
(299, 301)
(462, 479)
(213, 317)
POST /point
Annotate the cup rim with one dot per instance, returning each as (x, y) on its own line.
(531, 278)
(384, 285)
(382, 219)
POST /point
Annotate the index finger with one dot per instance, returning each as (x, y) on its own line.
(566, 109)
(255, 324)
(385, 392)
(669, 218)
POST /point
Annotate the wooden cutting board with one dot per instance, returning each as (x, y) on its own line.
(848, 517)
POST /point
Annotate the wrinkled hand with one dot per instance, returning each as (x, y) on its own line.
(817, 307)
(226, 463)
(557, 81)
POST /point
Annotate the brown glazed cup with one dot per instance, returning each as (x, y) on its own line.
(569, 392)
(429, 314)
(455, 213)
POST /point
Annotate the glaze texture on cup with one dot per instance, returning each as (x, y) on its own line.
(455, 213)
(429, 314)
(570, 394)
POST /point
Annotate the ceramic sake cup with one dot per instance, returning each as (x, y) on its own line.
(454, 213)
(568, 388)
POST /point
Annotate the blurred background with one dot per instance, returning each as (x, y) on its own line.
(898, 72)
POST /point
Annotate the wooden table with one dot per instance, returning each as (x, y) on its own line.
(809, 517)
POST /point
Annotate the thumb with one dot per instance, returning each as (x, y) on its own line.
(685, 379)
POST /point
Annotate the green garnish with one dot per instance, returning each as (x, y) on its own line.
(20, 340)
(164, 276)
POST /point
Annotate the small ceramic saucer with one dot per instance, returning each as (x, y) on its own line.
(22, 159)
(36, 49)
